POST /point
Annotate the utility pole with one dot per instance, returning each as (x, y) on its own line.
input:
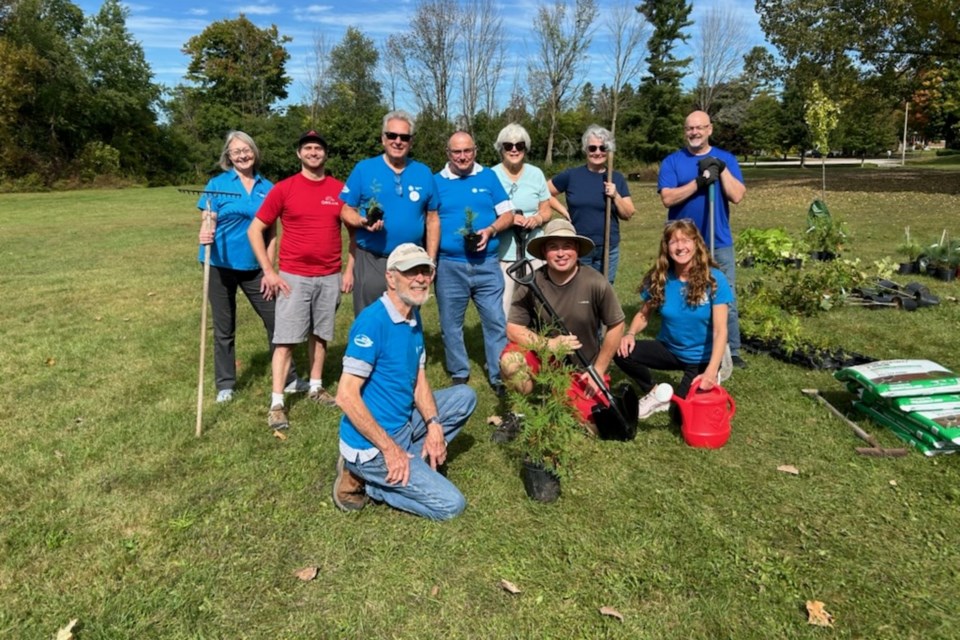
(903, 150)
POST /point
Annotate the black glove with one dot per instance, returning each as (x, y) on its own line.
(709, 170)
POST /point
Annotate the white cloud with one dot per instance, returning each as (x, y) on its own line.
(259, 9)
(198, 12)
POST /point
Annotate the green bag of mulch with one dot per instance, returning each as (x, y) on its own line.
(896, 378)
(939, 402)
(944, 424)
(916, 438)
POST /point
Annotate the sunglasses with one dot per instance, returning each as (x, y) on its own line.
(393, 135)
(510, 146)
(593, 148)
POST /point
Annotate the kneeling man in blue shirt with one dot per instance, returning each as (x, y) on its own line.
(395, 429)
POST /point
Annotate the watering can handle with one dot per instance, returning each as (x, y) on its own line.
(695, 386)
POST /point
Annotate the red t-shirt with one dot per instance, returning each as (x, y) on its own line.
(309, 212)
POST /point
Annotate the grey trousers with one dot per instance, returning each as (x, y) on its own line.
(223, 304)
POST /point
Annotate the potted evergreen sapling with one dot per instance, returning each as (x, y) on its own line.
(471, 239)
(549, 425)
(374, 208)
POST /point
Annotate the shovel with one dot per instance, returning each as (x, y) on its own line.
(618, 419)
(726, 363)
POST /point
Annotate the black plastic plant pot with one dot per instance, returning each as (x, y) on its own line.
(471, 242)
(823, 256)
(907, 268)
(541, 485)
(748, 262)
(906, 303)
(374, 215)
(946, 274)
(794, 263)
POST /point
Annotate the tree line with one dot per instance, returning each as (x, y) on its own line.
(78, 102)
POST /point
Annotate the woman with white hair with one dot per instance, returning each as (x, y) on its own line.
(587, 189)
(527, 187)
(234, 196)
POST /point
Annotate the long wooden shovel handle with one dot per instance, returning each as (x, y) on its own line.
(607, 222)
(207, 223)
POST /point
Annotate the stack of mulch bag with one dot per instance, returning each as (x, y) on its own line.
(918, 400)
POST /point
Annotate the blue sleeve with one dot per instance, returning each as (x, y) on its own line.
(561, 181)
(620, 183)
(723, 294)
(350, 194)
(667, 177)
(365, 337)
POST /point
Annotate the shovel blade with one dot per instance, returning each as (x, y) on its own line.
(618, 422)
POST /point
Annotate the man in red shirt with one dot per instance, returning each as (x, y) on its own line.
(308, 284)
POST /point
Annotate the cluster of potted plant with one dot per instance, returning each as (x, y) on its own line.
(943, 258)
(911, 250)
(826, 237)
(768, 248)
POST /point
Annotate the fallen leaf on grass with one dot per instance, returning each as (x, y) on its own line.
(495, 420)
(307, 573)
(789, 468)
(51, 362)
(280, 435)
(817, 615)
(66, 633)
(150, 294)
(98, 318)
(893, 483)
(435, 591)
(509, 587)
(613, 613)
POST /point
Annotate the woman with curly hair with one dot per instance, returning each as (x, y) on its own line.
(693, 298)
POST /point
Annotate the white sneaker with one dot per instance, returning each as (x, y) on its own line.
(297, 386)
(656, 401)
(224, 395)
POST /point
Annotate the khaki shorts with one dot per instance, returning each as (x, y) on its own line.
(311, 307)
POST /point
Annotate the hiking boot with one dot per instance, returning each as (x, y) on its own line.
(299, 385)
(509, 428)
(277, 418)
(348, 489)
(224, 395)
(320, 396)
(654, 402)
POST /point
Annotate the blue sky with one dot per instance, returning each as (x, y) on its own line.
(162, 27)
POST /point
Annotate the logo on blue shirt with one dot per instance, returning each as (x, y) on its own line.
(363, 341)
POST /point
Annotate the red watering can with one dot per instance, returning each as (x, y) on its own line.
(706, 416)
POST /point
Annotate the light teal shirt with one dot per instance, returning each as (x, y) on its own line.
(526, 194)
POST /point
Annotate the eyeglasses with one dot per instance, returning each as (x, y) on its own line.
(393, 135)
(513, 190)
(236, 153)
(510, 146)
(462, 152)
(593, 148)
(419, 270)
(699, 127)
(397, 185)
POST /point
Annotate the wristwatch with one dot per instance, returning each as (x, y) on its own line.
(433, 420)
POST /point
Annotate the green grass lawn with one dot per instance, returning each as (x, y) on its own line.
(112, 512)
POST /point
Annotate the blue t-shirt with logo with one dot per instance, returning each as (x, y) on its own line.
(231, 247)
(405, 198)
(588, 205)
(482, 192)
(387, 350)
(688, 331)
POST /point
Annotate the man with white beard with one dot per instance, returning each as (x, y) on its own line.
(395, 429)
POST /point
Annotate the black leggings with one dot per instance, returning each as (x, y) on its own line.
(653, 354)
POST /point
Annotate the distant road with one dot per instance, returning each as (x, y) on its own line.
(816, 162)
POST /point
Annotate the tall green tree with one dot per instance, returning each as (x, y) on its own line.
(353, 106)
(122, 95)
(236, 64)
(660, 92)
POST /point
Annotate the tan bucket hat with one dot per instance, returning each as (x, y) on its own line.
(559, 228)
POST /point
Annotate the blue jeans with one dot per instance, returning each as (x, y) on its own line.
(457, 284)
(427, 493)
(595, 259)
(728, 265)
